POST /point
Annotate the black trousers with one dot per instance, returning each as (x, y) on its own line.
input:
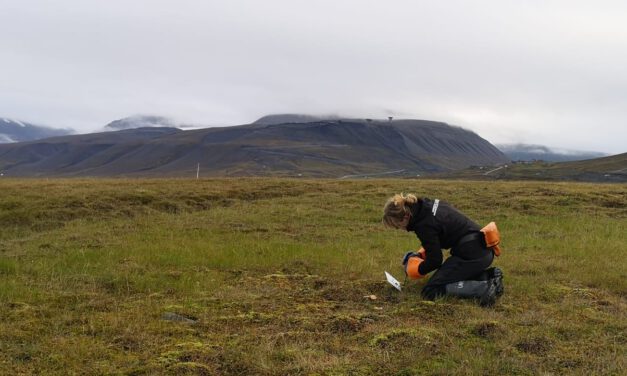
(466, 262)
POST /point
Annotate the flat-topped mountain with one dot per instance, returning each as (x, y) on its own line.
(319, 148)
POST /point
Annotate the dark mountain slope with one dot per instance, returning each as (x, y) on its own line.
(74, 155)
(291, 119)
(329, 148)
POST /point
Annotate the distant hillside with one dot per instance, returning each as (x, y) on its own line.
(17, 131)
(525, 152)
(329, 148)
(605, 169)
(140, 121)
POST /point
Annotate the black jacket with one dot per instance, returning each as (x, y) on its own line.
(438, 226)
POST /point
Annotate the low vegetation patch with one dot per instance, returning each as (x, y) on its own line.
(279, 276)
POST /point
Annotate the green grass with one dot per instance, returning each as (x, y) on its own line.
(275, 272)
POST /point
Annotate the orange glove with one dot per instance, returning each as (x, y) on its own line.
(411, 268)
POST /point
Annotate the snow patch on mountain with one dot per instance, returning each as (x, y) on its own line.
(5, 139)
(18, 131)
(10, 121)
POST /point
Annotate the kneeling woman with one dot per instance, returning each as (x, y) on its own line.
(439, 226)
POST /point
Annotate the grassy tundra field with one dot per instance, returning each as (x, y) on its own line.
(276, 277)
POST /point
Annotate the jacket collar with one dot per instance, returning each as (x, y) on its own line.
(415, 214)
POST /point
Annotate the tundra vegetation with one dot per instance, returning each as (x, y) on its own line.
(285, 276)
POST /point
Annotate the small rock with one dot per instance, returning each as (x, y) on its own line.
(171, 316)
(371, 297)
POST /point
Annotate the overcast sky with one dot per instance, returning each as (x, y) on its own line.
(544, 72)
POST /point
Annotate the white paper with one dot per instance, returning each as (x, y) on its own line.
(393, 281)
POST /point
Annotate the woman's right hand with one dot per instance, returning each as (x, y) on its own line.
(411, 269)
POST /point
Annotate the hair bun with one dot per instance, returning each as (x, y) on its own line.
(398, 200)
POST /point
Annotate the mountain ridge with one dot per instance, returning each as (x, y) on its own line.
(12, 130)
(323, 148)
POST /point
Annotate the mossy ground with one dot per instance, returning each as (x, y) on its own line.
(278, 274)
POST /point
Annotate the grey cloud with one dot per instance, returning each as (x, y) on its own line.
(549, 71)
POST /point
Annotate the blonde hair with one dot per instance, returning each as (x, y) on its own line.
(396, 207)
